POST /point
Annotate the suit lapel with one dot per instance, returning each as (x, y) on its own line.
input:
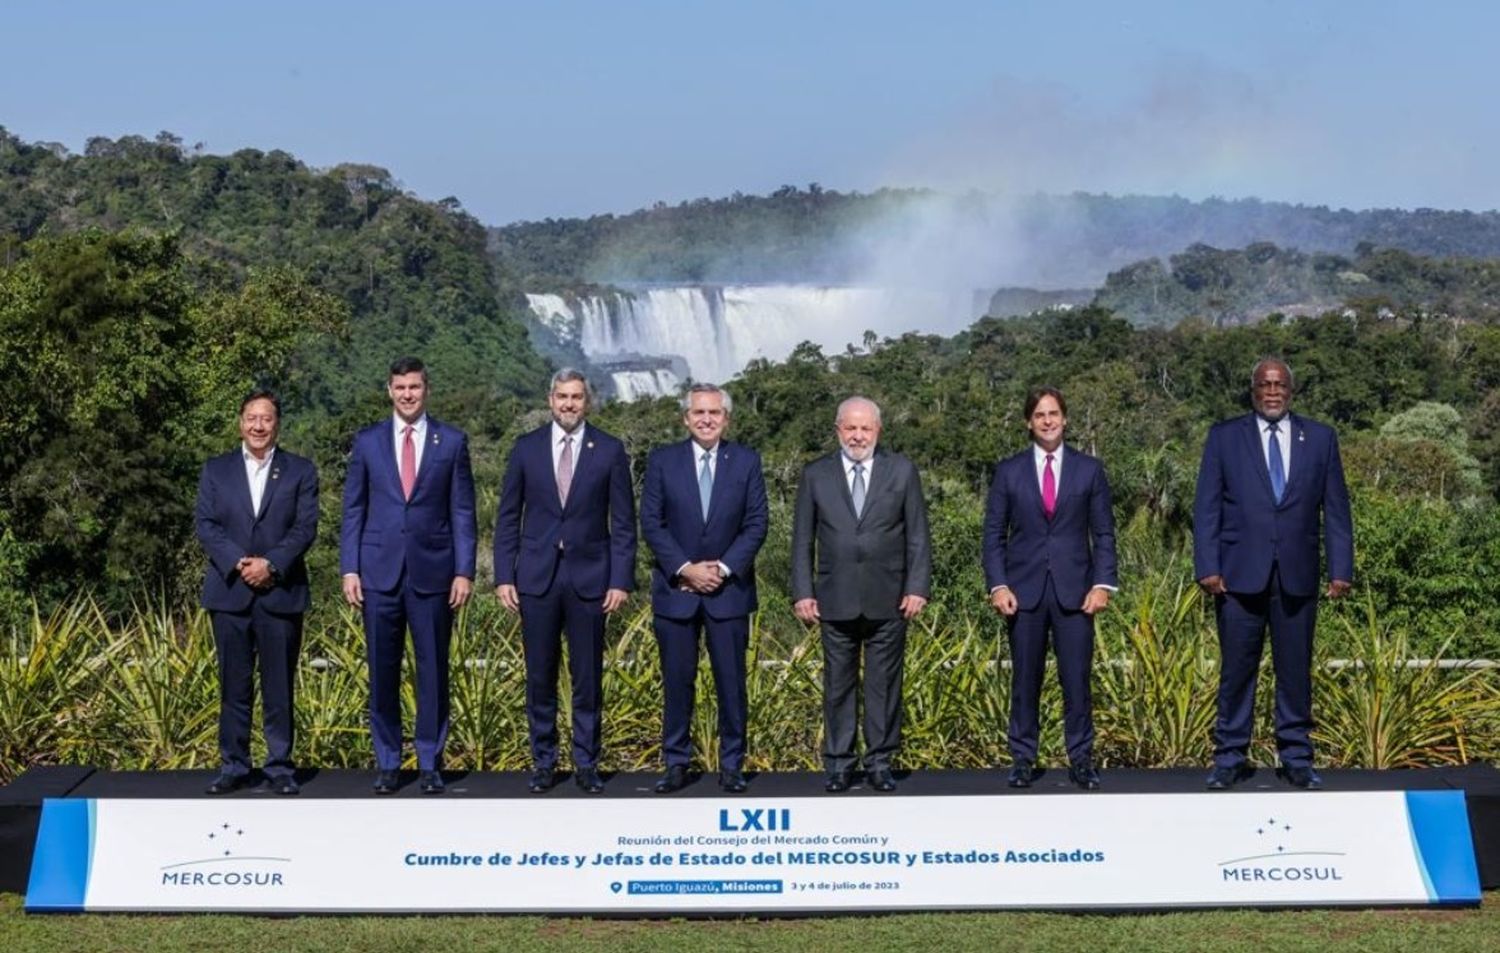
(433, 441)
(583, 456)
(273, 480)
(1295, 433)
(387, 454)
(1031, 487)
(721, 474)
(841, 479)
(1251, 434)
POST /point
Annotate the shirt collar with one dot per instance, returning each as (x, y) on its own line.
(248, 457)
(558, 433)
(417, 426)
(699, 450)
(849, 464)
(1284, 425)
(1040, 455)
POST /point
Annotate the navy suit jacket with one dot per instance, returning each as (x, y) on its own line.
(672, 523)
(1077, 546)
(1240, 531)
(430, 538)
(595, 532)
(281, 532)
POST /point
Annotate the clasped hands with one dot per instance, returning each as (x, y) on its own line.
(700, 577)
(256, 571)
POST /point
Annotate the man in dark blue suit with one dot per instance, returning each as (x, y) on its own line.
(564, 559)
(704, 514)
(407, 555)
(1049, 560)
(256, 515)
(1267, 482)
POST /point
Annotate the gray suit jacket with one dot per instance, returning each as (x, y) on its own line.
(863, 565)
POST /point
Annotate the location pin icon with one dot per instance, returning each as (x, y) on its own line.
(615, 887)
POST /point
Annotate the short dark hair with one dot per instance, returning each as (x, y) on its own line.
(1035, 397)
(261, 393)
(408, 365)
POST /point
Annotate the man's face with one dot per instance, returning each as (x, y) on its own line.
(569, 401)
(858, 431)
(408, 394)
(706, 418)
(259, 424)
(1271, 391)
(1047, 423)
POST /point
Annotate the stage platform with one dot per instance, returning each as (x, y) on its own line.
(21, 801)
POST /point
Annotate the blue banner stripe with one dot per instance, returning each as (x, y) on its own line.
(1445, 848)
(64, 851)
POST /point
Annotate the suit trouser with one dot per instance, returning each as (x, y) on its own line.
(545, 619)
(388, 615)
(727, 640)
(1243, 619)
(1072, 634)
(883, 642)
(240, 638)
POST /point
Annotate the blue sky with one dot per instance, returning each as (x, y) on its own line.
(529, 110)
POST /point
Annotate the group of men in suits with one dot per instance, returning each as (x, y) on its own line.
(564, 557)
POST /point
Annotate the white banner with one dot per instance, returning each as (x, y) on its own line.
(734, 854)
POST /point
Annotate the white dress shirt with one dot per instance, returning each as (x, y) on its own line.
(869, 465)
(1039, 457)
(1283, 440)
(257, 471)
(713, 472)
(557, 444)
(418, 439)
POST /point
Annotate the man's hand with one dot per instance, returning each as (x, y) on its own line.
(702, 578)
(1213, 585)
(1096, 600)
(911, 604)
(614, 599)
(354, 593)
(458, 593)
(1004, 601)
(508, 597)
(1339, 588)
(806, 610)
(256, 571)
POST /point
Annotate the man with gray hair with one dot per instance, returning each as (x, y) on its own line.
(704, 514)
(861, 569)
(1270, 481)
(564, 559)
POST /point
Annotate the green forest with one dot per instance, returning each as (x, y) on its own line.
(144, 286)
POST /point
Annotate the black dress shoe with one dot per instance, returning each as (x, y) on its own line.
(1303, 776)
(882, 780)
(225, 783)
(386, 782)
(675, 779)
(541, 781)
(588, 780)
(837, 782)
(431, 782)
(1083, 773)
(1022, 773)
(1224, 777)
(284, 784)
(733, 782)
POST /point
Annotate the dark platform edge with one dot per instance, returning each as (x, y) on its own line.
(21, 800)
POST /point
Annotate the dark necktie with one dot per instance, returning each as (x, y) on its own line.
(1278, 468)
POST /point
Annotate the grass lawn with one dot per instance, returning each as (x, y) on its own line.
(1426, 931)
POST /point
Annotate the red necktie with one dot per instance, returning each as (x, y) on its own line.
(1049, 489)
(408, 464)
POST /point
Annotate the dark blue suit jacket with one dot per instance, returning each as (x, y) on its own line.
(431, 537)
(1239, 531)
(672, 523)
(595, 532)
(1077, 546)
(281, 532)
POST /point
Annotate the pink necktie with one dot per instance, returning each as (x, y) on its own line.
(1049, 489)
(565, 470)
(408, 463)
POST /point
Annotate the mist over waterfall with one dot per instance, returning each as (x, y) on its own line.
(651, 338)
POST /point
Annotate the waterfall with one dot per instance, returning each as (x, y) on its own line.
(716, 331)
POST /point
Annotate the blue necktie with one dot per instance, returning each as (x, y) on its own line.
(858, 491)
(1278, 469)
(705, 485)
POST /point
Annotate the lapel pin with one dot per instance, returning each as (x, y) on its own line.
(590, 445)
(434, 439)
(1301, 436)
(275, 474)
